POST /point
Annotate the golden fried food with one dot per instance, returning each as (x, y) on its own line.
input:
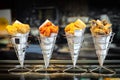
(18, 27)
(100, 27)
(77, 25)
(11, 30)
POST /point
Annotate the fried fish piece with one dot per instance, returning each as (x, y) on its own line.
(11, 30)
(77, 25)
(100, 27)
(48, 28)
(22, 28)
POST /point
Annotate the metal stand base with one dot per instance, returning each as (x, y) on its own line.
(43, 70)
(75, 70)
(101, 72)
(19, 70)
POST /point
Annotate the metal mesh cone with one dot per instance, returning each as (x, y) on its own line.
(20, 42)
(101, 45)
(47, 45)
(74, 43)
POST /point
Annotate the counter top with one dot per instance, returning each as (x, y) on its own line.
(55, 70)
(59, 61)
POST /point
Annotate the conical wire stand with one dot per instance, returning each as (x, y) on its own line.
(102, 47)
(20, 44)
(74, 44)
(47, 46)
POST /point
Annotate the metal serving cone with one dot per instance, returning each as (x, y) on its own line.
(19, 42)
(47, 45)
(74, 43)
(101, 45)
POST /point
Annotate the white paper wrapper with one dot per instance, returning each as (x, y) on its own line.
(21, 57)
(101, 45)
(47, 46)
(45, 23)
(19, 42)
(74, 43)
(101, 56)
(17, 22)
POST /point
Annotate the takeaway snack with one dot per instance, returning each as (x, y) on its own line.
(74, 34)
(19, 35)
(18, 27)
(102, 33)
(48, 33)
(100, 27)
(77, 25)
(48, 28)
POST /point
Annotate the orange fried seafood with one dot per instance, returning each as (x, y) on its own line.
(47, 28)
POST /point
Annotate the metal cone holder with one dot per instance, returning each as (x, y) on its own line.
(102, 43)
(19, 43)
(74, 44)
(47, 46)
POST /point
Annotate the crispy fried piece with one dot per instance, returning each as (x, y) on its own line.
(22, 28)
(54, 29)
(68, 27)
(99, 31)
(100, 27)
(42, 30)
(25, 28)
(47, 29)
(18, 27)
(11, 30)
(77, 25)
(47, 32)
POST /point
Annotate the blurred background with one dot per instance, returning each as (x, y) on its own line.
(60, 12)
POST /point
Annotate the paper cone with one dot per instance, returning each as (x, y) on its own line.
(47, 45)
(19, 42)
(101, 56)
(101, 45)
(46, 59)
(74, 43)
